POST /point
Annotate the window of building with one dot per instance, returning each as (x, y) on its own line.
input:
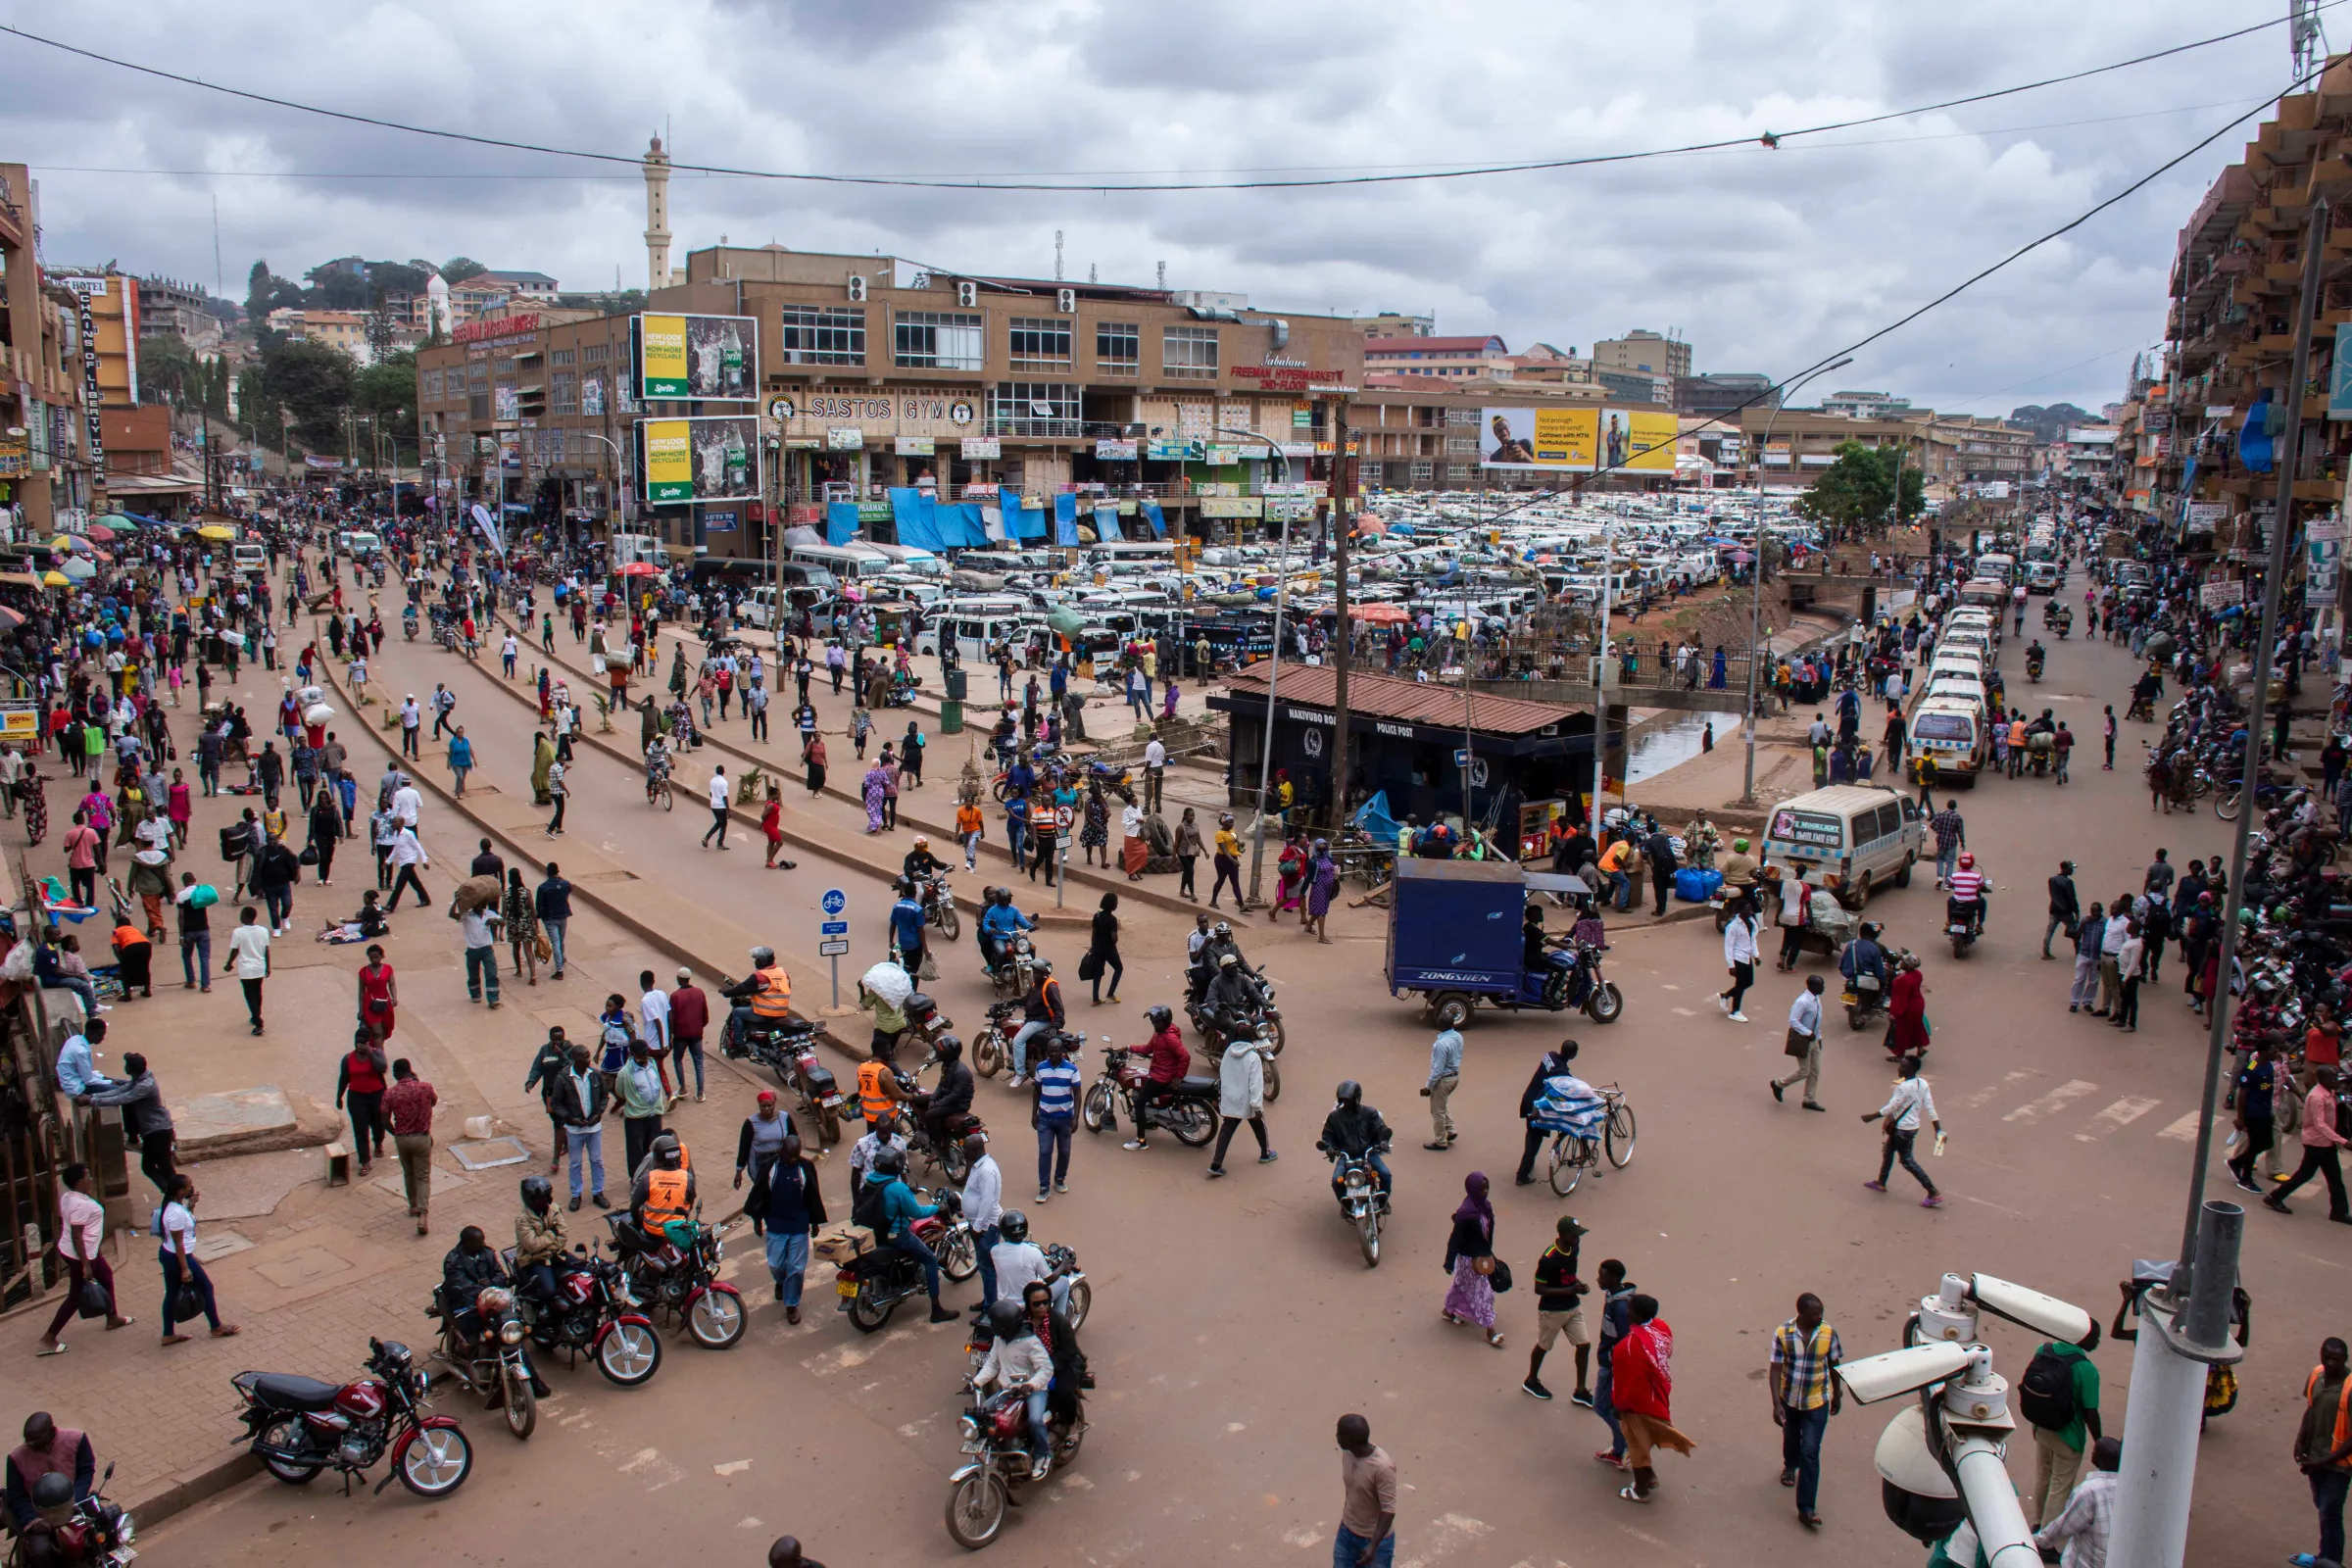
(1033, 408)
(822, 335)
(560, 356)
(1118, 348)
(1041, 342)
(1189, 353)
(566, 391)
(938, 340)
(596, 353)
(477, 390)
(432, 386)
(1421, 473)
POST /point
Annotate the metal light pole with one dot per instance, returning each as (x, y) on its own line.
(1755, 580)
(1282, 585)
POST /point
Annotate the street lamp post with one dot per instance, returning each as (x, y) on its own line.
(1755, 577)
(1282, 585)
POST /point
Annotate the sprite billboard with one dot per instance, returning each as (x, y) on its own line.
(689, 460)
(714, 357)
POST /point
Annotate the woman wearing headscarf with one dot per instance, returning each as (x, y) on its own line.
(34, 790)
(543, 756)
(876, 790)
(1907, 1010)
(1289, 876)
(1470, 1259)
(1322, 885)
(1094, 832)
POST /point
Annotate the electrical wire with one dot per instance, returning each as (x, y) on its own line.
(1767, 138)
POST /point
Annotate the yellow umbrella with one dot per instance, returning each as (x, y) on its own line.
(61, 542)
(56, 579)
(216, 531)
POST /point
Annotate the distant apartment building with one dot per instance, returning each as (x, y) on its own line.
(1634, 386)
(1724, 393)
(1866, 405)
(1392, 323)
(536, 288)
(1646, 352)
(168, 308)
(343, 329)
(1454, 356)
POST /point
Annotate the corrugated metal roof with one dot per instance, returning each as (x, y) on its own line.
(1410, 701)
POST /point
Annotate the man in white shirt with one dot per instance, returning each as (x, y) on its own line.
(1805, 1030)
(983, 1209)
(654, 1022)
(1156, 773)
(412, 721)
(406, 804)
(407, 854)
(249, 958)
(477, 930)
(1906, 1110)
(719, 807)
(1015, 1260)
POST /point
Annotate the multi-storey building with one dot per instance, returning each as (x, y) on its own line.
(1452, 357)
(168, 308)
(46, 471)
(1647, 352)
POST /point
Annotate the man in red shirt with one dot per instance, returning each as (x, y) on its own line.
(81, 845)
(1170, 1061)
(1641, 1387)
(2321, 1141)
(689, 1016)
(408, 1110)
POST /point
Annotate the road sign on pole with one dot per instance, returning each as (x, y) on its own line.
(835, 900)
(834, 949)
(833, 928)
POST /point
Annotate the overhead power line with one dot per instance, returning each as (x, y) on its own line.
(1111, 184)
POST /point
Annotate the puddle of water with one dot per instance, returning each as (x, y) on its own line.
(1672, 742)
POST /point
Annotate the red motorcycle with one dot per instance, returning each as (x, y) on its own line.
(594, 1311)
(675, 1270)
(299, 1427)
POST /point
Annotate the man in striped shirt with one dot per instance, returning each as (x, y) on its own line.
(1951, 834)
(1054, 1102)
(1968, 890)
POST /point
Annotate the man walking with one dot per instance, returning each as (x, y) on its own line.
(412, 725)
(2321, 1141)
(1659, 852)
(1805, 1393)
(2324, 1450)
(409, 1111)
(2059, 1397)
(1905, 1110)
(577, 1105)
(1559, 1308)
(1804, 1042)
(2090, 934)
(688, 1017)
(2107, 734)
(719, 807)
(1951, 837)
(1368, 1499)
(477, 930)
(1445, 1074)
(2066, 910)
(249, 959)
(643, 1100)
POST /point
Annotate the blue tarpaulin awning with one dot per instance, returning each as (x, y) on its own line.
(1025, 521)
(1065, 520)
(841, 521)
(1151, 515)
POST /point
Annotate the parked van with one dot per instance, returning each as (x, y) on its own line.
(2001, 569)
(977, 623)
(248, 557)
(1959, 685)
(1953, 731)
(1869, 834)
(1986, 591)
(848, 563)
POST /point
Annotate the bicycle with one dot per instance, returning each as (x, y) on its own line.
(659, 792)
(1572, 1157)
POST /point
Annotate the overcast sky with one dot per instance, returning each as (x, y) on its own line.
(1764, 260)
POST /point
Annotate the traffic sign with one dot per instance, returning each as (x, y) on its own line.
(838, 947)
(835, 900)
(1461, 756)
(833, 928)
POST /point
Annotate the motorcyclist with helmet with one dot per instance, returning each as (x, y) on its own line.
(662, 1190)
(1019, 1363)
(1864, 955)
(1212, 960)
(1231, 998)
(1355, 1128)
(895, 1208)
(1170, 1061)
(1044, 1010)
(53, 1469)
(763, 994)
(920, 865)
(951, 1099)
(467, 1270)
(538, 1238)
(1000, 923)
(1967, 890)
(1018, 1260)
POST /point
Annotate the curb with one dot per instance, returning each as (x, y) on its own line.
(189, 1488)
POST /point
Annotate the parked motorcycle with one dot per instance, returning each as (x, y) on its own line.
(87, 1529)
(787, 1047)
(1189, 1108)
(1360, 1200)
(674, 1271)
(998, 1459)
(495, 1365)
(299, 1427)
(593, 1312)
(874, 1279)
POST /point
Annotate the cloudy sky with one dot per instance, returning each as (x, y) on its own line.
(1764, 260)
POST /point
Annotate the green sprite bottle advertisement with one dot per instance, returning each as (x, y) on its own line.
(730, 366)
(739, 464)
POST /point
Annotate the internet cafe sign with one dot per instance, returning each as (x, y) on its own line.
(878, 416)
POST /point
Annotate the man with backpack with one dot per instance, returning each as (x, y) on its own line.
(2059, 1395)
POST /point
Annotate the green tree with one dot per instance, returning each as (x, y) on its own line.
(337, 291)
(387, 390)
(313, 381)
(169, 373)
(1855, 495)
(457, 268)
(397, 278)
(265, 291)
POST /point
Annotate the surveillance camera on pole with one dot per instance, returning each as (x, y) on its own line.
(1941, 1462)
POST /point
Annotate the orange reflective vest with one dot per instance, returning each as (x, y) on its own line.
(874, 1100)
(773, 999)
(664, 1196)
(2343, 1412)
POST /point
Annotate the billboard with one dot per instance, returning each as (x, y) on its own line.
(697, 357)
(700, 459)
(1638, 440)
(1539, 438)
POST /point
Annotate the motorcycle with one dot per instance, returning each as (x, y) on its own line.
(2033, 670)
(593, 1312)
(875, 1279)
(1265, 1015)
(1960, 924)
(1075, 1300)
(299, 1427)
(938, 906)
(1013, 973)
(1189, 1108)
(1865, 1000)
(998, 1459)
(90, 1530)
(408, 625)
(1601, 1001)
(787, 1047)
(1360, 1200)
(674, 1270)
(951, 1160)
(992, 1047)
(493, 1365)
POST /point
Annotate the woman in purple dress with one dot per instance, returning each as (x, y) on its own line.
(1470, 1258)
(877, 795)
(1322, 885)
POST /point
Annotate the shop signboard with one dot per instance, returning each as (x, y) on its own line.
(881, 415)
(978, 447)
(2206, 515)
(592, 397)
(506, 404)
(916, 446)
(2220, 593)
(1557, 439)
(16, 459)
(1231, 507)
(715, 458)
(20, 722)
(844, 438)
(705, 357)
(2340, 377)
(1107, 449)
(1173, 451)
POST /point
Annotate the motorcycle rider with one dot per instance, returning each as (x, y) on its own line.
(1044, 1010)
(920, 865)
(664, 1188)
(1021, 1261)
(1170, 1061)
(1863, 955)
(1000, 923)
(1019, 1363)
(52, 1470)
(1968, 887)
(952, 1098)
(906, 928)
(1051, 1324)
(1231, 1000)
(469, 1268)
(2035, 652)
(765, 993)
(898, 1211)
(538, 1238)
(1355, 1128)
(867, 1152)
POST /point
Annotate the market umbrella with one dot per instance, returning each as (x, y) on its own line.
(56, 579)
(214, 531)
(10, 619)
(78, 569)
(640, 569)
(1383, 614)
(102, 533)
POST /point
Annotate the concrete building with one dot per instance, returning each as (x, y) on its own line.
(343, 329)
(1392, 323)
(170, 308)
(530, 288)
(45, 472)
(1866, 405)
(115, 311)
(1452, 357)
(1634, 386)
(1724, 393)
(1645, 351)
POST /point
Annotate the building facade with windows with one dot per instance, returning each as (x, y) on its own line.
(1454, 356)
(46, 471)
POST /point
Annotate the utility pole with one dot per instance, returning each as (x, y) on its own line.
(1343, 632)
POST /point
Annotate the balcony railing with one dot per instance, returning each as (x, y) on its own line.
(1036, 429)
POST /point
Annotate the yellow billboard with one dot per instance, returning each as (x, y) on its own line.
(661, 341)
(1539, 438)
(1638, 440)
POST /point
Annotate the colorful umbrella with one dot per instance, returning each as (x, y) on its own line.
(102, 533)
(56, 579)
(79, 570)
(214, 531)
(640, 569)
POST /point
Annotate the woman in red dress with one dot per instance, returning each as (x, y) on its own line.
(1907, 1007)
(379, 994)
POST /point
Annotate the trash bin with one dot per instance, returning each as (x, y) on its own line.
(955, 684)
(951, 710)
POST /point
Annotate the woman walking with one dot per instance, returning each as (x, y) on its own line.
(1241, 1097)
(1740, 956)
(911, 755)
(1290, 875)
(1095, 835)
(771, 827)
(1188, 854)
(1104, 956)
(889, 765)
(81, 1226)
(876, 792)
(560, 793)
(34, 791)
(1322, 885)
(814, 757)
(182, 1273)
(359, 1088)
(326, 832)
(519, 913)
(1470, 1259)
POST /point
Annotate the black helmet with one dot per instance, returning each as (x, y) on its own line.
(1004, 1315)
(1158, 1017)
(538, 1192)
(890, 1162)
(1013, 1225)
(1351, 1091)
(1044, 964)
(54, 1490)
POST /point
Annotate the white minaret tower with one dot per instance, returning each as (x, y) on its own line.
(656, 215)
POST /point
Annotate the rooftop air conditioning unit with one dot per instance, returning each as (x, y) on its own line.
(858, 288)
